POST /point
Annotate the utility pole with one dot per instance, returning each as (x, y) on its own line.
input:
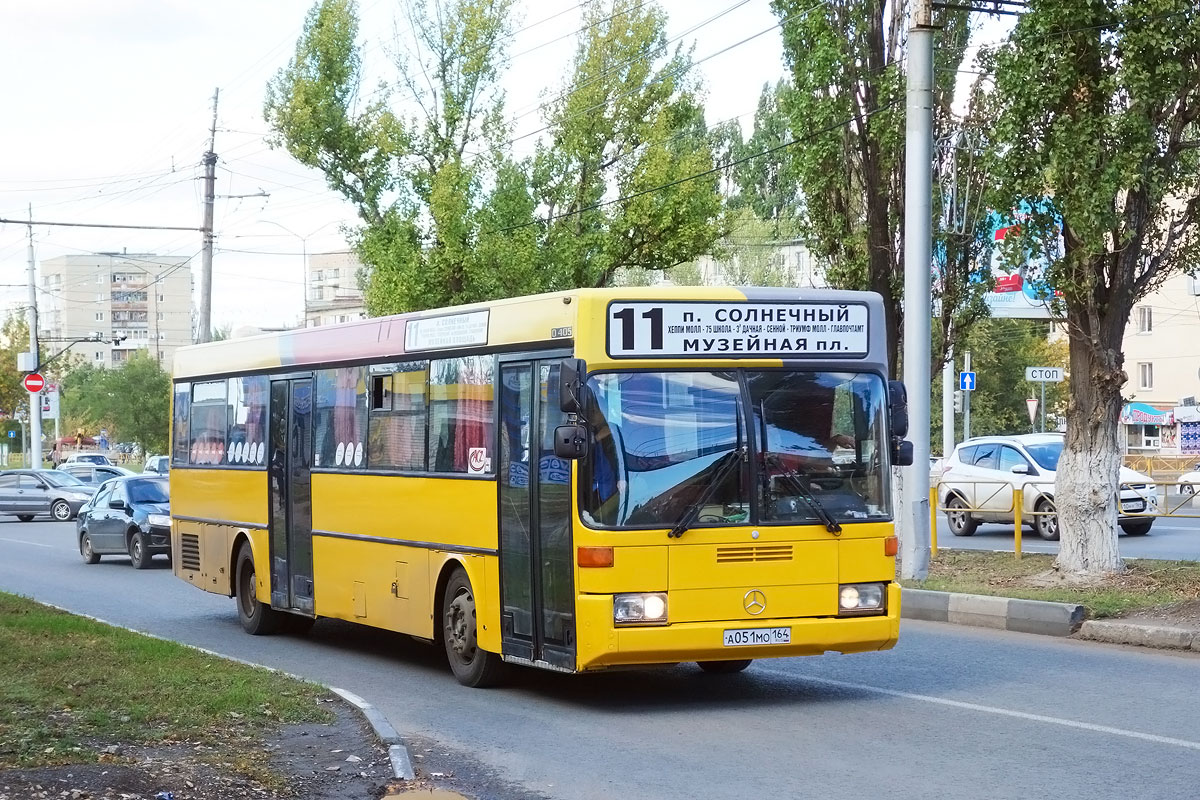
(204, 333)
(918, 310)
(35, 398)
(948, 404)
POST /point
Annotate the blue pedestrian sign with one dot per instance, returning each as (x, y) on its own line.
(12, 434)
(966, 381)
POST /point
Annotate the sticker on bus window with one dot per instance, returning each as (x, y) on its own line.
(477, 460)
(358, 454)
(339, 454)
(736, 329)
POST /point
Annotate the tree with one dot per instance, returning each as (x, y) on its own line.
(132, 402)
(627, 125)
(1001, 350)
(846, 112)
(769, 184)
(14, 339)
(1097, 143)
(416, 182)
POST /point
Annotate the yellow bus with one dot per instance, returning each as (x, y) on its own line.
(573, 481)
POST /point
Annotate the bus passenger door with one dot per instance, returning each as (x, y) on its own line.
(290, 489)
(536, 552)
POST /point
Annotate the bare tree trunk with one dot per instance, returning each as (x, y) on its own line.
(1088, 475)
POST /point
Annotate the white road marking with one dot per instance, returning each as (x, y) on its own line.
(1003, 712)
(35, 544)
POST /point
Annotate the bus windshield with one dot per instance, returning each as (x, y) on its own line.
(816, 445)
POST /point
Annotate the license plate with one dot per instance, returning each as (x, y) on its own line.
(751, 636)
(1132, 505)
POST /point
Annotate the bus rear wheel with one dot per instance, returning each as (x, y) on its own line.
(257, 618)
(724, 667)
(471, 665)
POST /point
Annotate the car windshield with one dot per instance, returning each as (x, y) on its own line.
(59, 478)
(148, 492)
(660, 438)
(1046, 454)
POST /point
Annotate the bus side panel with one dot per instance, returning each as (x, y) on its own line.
(202, 550)
(390, 585)
(221, 495)
(377, 584)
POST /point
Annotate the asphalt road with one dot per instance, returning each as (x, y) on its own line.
(952, 712)
(1169, 538)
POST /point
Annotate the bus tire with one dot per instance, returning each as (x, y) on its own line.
(257, 619)
(471, 665)
(724, 667)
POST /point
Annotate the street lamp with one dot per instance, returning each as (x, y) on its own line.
(303, 256)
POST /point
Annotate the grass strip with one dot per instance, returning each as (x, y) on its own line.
(70, 686)
(1147, 583)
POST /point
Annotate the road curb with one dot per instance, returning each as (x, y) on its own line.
(987, 611)
(1159, 636)
(397, 753)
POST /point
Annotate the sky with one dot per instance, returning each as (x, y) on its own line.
(109, 107)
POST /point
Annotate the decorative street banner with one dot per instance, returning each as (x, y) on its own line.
(736, 330)
(1021, 292)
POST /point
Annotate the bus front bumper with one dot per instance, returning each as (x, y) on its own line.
(601, 644)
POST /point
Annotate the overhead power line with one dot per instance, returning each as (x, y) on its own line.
(4, 221)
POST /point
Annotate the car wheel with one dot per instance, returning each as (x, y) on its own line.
(85, 550)
(258, 619)
(138, 553)
(724, 667)
(471, 665)
(958, 518)
(25, 517)
(61, 510)
(1047, 524)
(1187, 488)
(1140, 528)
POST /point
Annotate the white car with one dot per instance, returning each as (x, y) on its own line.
(979, 477)
(1189, 482)
(88, 458)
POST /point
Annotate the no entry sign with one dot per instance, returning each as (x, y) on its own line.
(34, 382)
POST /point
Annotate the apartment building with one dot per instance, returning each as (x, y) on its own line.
(143, 301)
(331, 285)
(1162, 359)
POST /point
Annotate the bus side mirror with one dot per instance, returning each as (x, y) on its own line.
(902, 454)
(570, 441)
(570, 385)
(898, 409)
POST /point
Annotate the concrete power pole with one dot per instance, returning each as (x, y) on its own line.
(918, 311)
(204, 324)
(35, 398)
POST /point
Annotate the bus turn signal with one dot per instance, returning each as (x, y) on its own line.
(891, 545)
(595, 556)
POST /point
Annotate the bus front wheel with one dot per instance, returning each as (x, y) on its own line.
(257, 618)
(471, 665)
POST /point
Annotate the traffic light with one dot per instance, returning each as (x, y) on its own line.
(958, 401)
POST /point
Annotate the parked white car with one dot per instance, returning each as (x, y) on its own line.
(982, 473)
(1189, 482)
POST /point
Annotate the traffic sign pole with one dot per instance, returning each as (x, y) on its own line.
(1043, 406)
(967, 399)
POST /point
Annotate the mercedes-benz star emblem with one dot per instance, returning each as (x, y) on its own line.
(755, 602)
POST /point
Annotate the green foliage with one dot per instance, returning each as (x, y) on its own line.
(1097, 104)
(1001, 349)
(132, 402)
(845, 107)
(769, 185)
(448, 214)
(14, 339)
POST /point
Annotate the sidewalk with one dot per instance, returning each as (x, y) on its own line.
(1146, 629)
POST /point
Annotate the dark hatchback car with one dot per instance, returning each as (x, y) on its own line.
(26, 493)
(95, 474)
(130, 516)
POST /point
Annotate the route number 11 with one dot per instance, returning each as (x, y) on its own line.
(655, 315)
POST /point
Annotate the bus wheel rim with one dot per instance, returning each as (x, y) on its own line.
(459, 630)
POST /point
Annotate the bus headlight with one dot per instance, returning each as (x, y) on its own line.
(640, 608)
(861, 598)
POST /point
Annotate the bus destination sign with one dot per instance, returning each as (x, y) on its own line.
(445, 332)
(736, 330)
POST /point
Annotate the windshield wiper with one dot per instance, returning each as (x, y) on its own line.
(727, 462)
(800, 483)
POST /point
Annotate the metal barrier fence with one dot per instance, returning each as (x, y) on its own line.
(1153, 504)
